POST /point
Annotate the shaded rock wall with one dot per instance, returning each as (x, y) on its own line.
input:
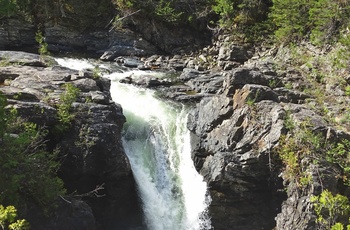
(80, 26)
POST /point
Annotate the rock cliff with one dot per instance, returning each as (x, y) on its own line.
(94, 167)
(246, 115)
(90, 28)
(237, 134)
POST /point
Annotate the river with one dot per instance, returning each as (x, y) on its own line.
(157, 143)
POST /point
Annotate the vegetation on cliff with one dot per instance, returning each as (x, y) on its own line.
(28, 169)
(321, 21)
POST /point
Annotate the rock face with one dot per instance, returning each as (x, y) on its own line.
(16, 33)
(233, 136)
(91, 150)
(87, 28)
(237, 123)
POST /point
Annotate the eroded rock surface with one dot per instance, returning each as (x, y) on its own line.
(90, 148)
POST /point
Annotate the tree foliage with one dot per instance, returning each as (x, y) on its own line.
(321, 21)
(28, 170)
(170, 11)
(241, 12)
(330, 209)
(8, 219)
(318, 20)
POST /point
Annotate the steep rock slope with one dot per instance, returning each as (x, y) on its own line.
(239, 136)
(94, 166)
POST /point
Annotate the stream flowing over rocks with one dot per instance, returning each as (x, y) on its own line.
(238, 101)
(238, 119)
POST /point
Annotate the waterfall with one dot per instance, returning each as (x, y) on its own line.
(157, 143)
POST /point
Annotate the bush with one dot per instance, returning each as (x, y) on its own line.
(329, 209)
(28, 170)
(64, 113)
(339, 153)
(7, 7)
(319, 20)
(241, 12)
(8, 216)
(290, 18)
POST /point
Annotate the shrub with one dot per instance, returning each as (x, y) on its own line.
(7, 7)
(39, 38)
(327, 17)
(8, 216)
(319, 20)
(28, 170)
(64, 113)
(293, 149)
(290, 18)
(329, 209)
(339, 153)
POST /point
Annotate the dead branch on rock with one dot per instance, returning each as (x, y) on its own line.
(92, 193)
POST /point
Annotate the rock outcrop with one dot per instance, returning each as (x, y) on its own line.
(80, 27)
(233, 135)
(239, 118)
(235, 132)
(90, 149)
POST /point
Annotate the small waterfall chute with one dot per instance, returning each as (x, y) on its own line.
(157, 143)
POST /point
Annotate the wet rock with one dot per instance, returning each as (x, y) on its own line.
(86, 84)
(147, 81)
(206, 82)
(119, 50)
(70, 214)
(19, 94)
(237, 78)
(252, 94)
(232, 152)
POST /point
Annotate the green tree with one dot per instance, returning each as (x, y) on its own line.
(319, 20)
(28, 170)
(326, 18)
(64, 108)
(290, 18)
(8, 219)
(7, 7)
(329, 209)
(339, 153)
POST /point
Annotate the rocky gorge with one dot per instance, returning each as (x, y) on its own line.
(246, 104)
(93, 159)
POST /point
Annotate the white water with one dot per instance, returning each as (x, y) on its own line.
(157, 144)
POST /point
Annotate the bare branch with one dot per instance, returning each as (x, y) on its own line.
(65, 199)
(93, 193)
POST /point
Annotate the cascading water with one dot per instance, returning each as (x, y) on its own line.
(157, 143)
